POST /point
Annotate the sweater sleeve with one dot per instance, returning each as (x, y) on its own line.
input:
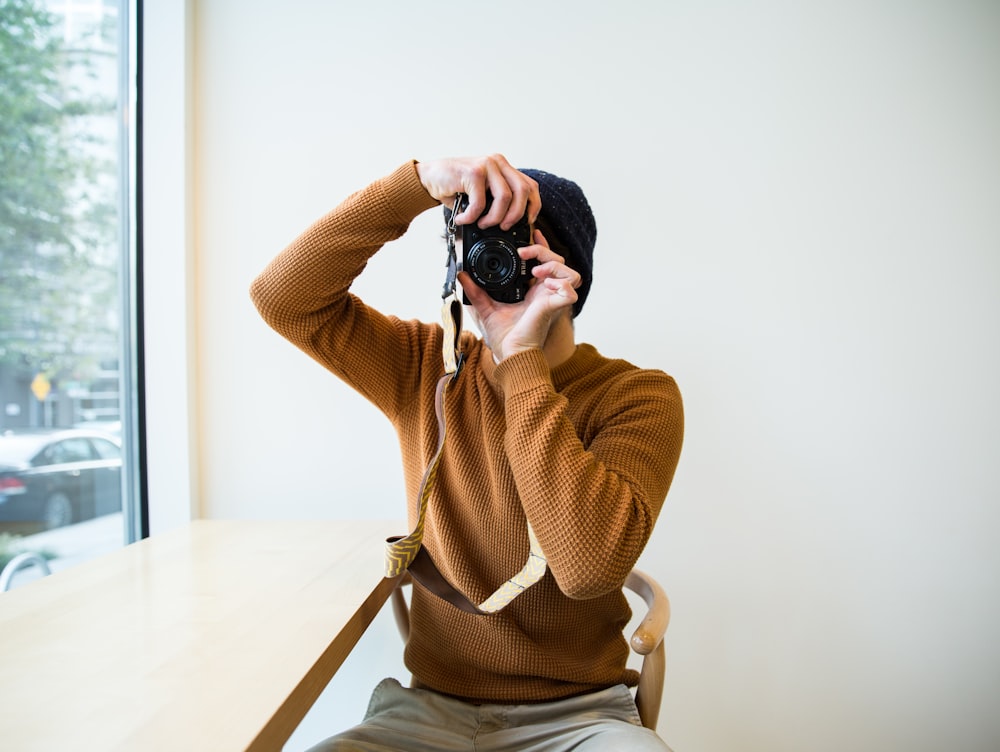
(592, 507)
(304, 292)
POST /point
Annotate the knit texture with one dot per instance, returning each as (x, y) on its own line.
(585, 451)
(569, 225)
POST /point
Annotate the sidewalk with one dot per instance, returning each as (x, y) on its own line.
(72, 545)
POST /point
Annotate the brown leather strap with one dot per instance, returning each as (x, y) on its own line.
(424, 571)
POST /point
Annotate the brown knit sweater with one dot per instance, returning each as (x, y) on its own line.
(585, 451)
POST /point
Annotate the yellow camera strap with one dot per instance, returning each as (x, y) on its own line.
(406, 553)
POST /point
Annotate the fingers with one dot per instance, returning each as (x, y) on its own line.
(558, 279)
(478, 297)
(551, 266)
(557, 282)
(513, 193)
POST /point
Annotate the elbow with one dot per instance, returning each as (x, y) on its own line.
(590, 579)
(600, 563)
(266, 301)
(259, 296)
(587, 591)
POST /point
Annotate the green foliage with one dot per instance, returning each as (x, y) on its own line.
(58, 205)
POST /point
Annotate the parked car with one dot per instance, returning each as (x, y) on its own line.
(57, 477)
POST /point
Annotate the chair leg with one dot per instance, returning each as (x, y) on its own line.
(400, 609)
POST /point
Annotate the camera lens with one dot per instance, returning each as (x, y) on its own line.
(493, 263)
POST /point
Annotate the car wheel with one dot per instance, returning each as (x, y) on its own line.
(58, 511)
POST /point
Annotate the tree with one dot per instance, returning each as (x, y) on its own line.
(58, 268)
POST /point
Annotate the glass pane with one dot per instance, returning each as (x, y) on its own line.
(61, 280)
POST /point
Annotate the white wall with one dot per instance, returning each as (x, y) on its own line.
(799, 218)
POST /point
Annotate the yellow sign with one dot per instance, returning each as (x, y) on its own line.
(41, 387)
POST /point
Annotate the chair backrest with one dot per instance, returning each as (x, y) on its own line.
(21, 561)
(647, 640)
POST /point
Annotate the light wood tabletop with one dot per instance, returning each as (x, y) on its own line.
(218, 636)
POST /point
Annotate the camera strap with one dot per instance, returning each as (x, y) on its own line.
(451, 308)
(406, 553)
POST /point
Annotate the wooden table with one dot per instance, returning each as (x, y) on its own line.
(219, 637)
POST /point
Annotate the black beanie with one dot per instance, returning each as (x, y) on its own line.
(565, 210)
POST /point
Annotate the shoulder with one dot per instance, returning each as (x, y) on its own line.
(589, 370)
(615, 392)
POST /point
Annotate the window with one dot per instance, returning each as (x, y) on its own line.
(65, 268)
(70, 450)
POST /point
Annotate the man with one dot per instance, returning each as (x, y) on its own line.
(547, 443)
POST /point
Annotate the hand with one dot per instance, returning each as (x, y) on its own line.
(509, 328)
(514, 193)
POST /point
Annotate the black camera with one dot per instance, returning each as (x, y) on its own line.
(490, 256)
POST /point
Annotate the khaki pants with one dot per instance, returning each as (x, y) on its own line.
(416, 720)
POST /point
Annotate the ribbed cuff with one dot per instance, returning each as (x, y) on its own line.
(523, 372)
(405, 193)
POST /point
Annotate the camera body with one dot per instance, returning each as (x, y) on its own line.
(490, 257)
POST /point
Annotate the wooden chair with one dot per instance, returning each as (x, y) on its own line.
(647, 640)
(21, 561)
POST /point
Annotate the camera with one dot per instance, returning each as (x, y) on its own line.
(490, 256)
